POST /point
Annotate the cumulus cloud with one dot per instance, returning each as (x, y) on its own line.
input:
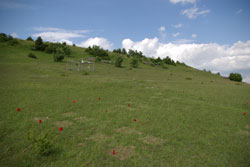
(194, 35)
(102, 42)
(14, 34)
(177, 25)
(53, 34)
(182, 1)
(176, 34)
(192, 13)
(212, 56)
(162, 32)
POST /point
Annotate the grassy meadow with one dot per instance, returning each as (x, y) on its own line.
(184, 117)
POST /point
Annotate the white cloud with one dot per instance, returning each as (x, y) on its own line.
(239, 11)
(182, 1)
(194, 35)
(182, 41)
(53, 34)
(14, 35)
(176, 34)
(192, 13)
(162, 32)
(212, 56)
(102, 42)
(177, 25)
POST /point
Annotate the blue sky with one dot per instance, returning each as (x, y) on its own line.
(201, 33)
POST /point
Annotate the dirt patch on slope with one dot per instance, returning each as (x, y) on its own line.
(127, 130)
(151, 140)
(122, 152)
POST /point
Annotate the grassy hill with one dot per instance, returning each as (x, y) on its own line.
(184, 117)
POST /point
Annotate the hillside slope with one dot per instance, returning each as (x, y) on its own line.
(184, 117)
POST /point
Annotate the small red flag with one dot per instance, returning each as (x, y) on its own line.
(106, 110)
(129, 105)
(18, 109)
(40, 121)
(74, 101)
(61, 129)
(247, 103)
(135, 120)
(244, 113)
(99, 98)
(114, 152)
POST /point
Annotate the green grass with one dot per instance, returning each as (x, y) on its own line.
(182, 114)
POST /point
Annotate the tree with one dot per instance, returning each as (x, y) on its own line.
(59, 56)
(134, 62)
(29, 39)
(39, 44)
(235, 77)
(118, 61)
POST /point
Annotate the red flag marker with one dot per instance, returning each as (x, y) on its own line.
(135, 120)
(40, 121)
(106, 110)
(18, 109)
(74, 101)
(244, 113)
(99, 98)
(113, 151)
(247, 103)
(61, 129)
(128, 105)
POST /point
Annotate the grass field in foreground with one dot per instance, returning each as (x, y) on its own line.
(184, 117)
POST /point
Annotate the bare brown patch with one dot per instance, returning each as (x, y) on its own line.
(123, 152)
(247, 126)
(69, 114)
(152, 140)
(82, 119)
(97, 137)
(63, 123)
(244, 132)
(40, 118)
(81, 144)
(127, 130)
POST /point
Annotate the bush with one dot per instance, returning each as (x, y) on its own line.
(41, 143)
(59, 56)
(39, 44)
(29, 39)
(98, 52)
(3, 37)
(235, 77)
(134, 63)
(118, 61)
(31, 55)
(13, 42)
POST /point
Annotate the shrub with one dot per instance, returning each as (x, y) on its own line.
(134, 63)
(13, 42)
(67, 51)
(31, 55)
(118, 61)
(41, 143)
(3, 37)
(98, 52)
(59, 56)
(235, 77)
(39, 44)
(29, 39)
(74, 45)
